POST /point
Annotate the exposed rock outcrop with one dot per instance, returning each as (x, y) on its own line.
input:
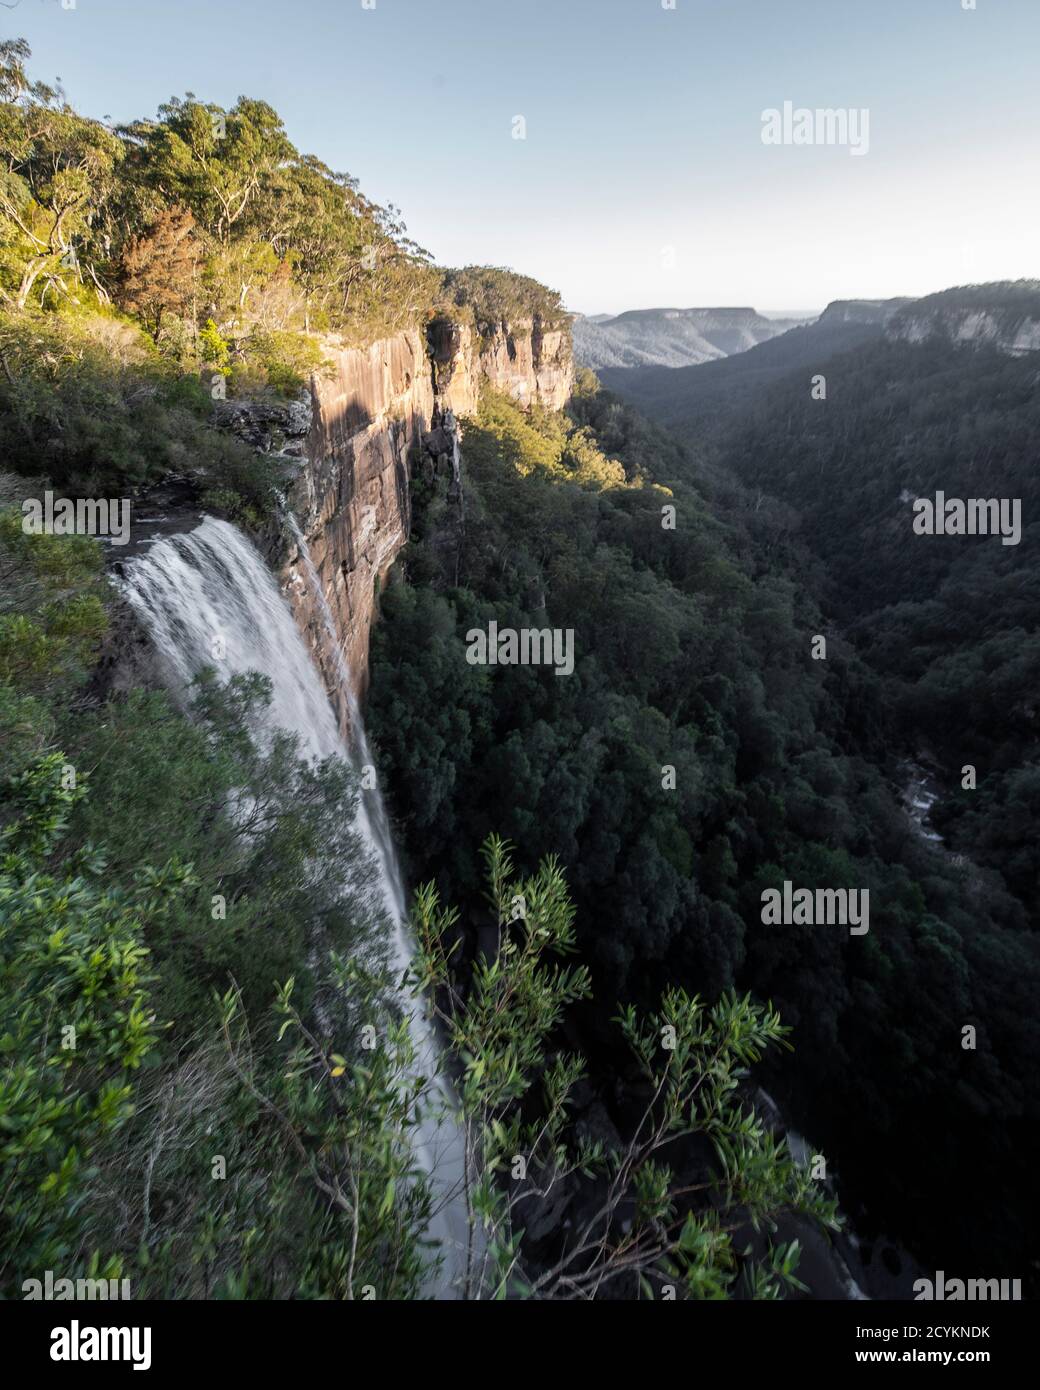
(1004, 315)
(523, 360)
(273, 427)
(384, 413)
(868, 311)
(529, 363)
(974, 327)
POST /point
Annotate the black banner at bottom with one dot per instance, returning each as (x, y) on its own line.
(184, 1338)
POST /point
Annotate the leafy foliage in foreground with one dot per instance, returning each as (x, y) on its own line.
(74, 1024)
(641, 1230)
(222, 1161)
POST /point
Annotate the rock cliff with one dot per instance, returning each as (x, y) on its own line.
(1004, 315)
(973, 327)
(375, 418)
(863, 311)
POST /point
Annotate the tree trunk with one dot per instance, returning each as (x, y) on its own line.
(32, 272)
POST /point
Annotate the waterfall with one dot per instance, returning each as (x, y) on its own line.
(451, 427)
(373, 809)
(206, 597)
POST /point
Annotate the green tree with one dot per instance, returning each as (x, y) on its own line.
(75, 1022)
(57, 169)
(646, 1227)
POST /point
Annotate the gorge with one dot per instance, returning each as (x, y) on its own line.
(387, 825)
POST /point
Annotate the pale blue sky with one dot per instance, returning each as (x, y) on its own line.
(643, 129)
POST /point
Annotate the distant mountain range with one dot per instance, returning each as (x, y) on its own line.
(700, 397)
(670, 337)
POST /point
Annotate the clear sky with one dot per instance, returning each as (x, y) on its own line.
(643, 179)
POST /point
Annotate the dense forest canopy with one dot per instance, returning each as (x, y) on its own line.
(494, 296)
(270, 241)
(950, 623)
(694, 655)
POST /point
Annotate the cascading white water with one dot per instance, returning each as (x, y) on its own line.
(377, 826)
(206, 597)
(451, 426)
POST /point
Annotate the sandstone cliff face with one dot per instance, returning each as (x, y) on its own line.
(530, 363)
(523, 360)
(1004, 315)
(1014, 334)
(373, 421)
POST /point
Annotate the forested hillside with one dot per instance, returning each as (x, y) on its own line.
(949, 622)
(670, 337)
(694, 655)
(703, 399)
(707, 399)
